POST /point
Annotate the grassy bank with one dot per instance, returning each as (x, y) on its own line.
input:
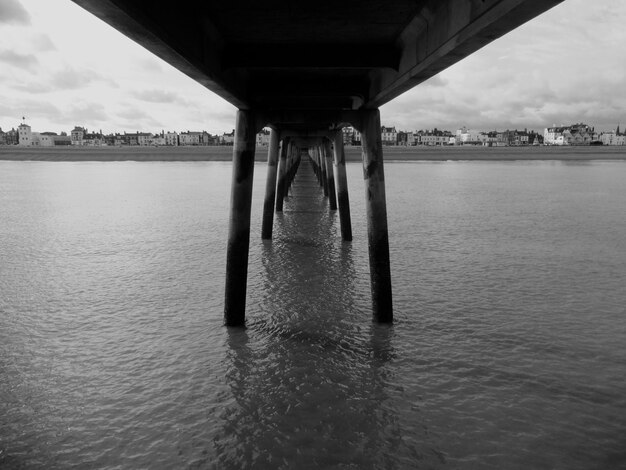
(419, 153)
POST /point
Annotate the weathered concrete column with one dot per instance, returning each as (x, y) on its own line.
(270, 187)
(319, 166)
(292, 165)
(376, 208)
(341, 183)
(332, 196)
(320, 175)
(282, 172)
(313, 162)
(324, 169)
(291, 168)
(239, 224)
(296, 163)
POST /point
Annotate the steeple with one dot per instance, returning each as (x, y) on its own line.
(617, 130)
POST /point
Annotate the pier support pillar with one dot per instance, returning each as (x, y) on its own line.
(282, 174)
(376, 208)
(332, 196)
(341, 183)
(324, 168)
(320, 167)
(239, 223)
(270, 187)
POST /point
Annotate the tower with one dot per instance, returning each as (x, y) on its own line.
(25, 135)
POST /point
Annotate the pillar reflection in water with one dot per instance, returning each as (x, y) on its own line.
(309, 380)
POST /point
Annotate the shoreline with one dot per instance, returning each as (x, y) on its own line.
(353, 153)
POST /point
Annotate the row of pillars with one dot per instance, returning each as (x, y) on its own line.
(282, 164)
(285, 170)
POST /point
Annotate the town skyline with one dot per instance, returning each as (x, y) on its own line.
(563, 67)
(540, 129)
(574, 134)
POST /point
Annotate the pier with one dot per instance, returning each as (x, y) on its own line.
(307, 69)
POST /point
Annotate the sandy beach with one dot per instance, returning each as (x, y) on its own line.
(353, 153)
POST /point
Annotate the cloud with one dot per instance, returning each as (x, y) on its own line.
(88, 113)
(43, 43)
(71, 79)
(12, 12)
(65, 79)
(132, 114)
(436, 81)
(158, 96)
(22, 61)
(132, 119)
(12, 110)
(149, 64)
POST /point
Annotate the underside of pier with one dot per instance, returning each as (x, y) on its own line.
(306, 69)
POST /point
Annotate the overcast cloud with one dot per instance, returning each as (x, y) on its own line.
(12, 12)
(565, 66)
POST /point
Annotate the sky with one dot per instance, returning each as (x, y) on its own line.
(62, 67)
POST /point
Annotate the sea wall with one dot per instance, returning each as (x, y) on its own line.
(353, 153)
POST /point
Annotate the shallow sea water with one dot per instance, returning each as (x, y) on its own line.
(507, 350)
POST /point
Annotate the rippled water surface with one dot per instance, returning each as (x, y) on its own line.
(507, 351)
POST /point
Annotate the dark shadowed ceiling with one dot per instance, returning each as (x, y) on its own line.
(313, 55)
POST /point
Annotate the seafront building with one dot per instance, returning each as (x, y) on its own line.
(613, 137)
(27, 138)
(228, 138)
(434, 137)
(466, 136)
(263, 138)
(171, 139)
(9, 137)
(351, 136)
(389, 135)
(576, 134)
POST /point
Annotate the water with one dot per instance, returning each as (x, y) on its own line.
(507, 350)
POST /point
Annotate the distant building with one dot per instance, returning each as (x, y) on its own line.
(263, 138)
(144, 138)
(77, 134)
(351, 136)
(9, 137)
(171, 139)
(466, 136)
(209, 139)
(489, 139)
(434, 137)
(576, 134)
(93, 139)
(410, 138)
(25, 136)
(613, 137)
(535, 138)
(389, 135)
(228, 138)
(47, 139)
(346, 133)
(513, 138)
(158, 140)
(52, 139)
(190, 138)
(402, 138)
(132, 139)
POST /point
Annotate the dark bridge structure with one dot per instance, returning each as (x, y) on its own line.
(306, 69)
